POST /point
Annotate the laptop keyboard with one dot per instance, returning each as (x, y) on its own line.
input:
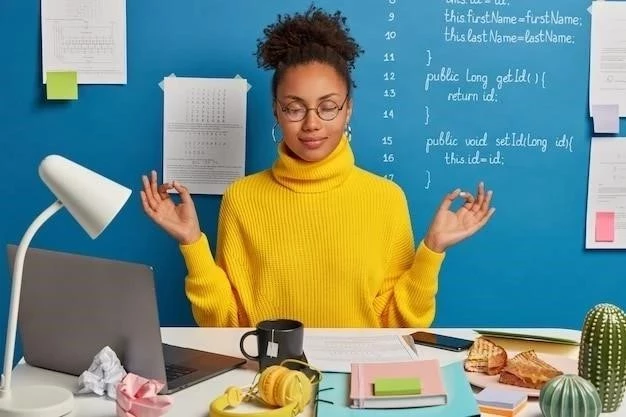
(173, 372)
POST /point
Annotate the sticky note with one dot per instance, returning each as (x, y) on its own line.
(61, 85)
(605, 118)
(605, 226)
(501, 398)
(504, 412)
(397, 386)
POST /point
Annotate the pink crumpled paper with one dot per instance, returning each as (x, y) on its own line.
(138, 397)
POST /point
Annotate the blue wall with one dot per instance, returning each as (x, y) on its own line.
(531, 252)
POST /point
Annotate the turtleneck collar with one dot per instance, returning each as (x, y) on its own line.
(314, 177)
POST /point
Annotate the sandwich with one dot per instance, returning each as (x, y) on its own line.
(527, 370)
(486, 357)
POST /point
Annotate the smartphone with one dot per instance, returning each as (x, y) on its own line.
(441, 341)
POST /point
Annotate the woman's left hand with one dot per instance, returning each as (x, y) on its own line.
(449, 227)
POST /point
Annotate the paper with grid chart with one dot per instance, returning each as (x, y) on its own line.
(204, 132)
(86, 36)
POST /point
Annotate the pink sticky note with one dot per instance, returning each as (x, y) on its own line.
(605, 226)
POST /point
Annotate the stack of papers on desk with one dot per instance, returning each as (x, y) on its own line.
(335, 387)
(336, 352)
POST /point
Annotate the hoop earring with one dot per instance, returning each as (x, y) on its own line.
(274, 133)
(349, 133)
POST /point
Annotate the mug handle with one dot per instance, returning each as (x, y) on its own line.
(243, 338)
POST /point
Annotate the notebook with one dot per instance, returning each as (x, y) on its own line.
(72, 306)
(334, 387)
(364, 376)
(527, 336)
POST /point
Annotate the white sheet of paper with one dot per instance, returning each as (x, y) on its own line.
(607, 193)
(335, 353)
(204, 132)
(607, 83)
(86, 36)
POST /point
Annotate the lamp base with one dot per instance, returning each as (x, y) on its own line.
(36, 401)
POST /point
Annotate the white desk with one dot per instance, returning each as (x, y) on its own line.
(194, 401)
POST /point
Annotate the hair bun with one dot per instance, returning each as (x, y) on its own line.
(314, 29)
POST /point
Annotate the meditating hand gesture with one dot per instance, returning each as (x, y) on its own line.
(449, 227)
(179, 220)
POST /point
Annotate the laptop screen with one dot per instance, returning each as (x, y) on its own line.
(73, 305)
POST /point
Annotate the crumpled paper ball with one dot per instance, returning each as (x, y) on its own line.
(103, 375)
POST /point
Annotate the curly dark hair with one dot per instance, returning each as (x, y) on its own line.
(312, 36)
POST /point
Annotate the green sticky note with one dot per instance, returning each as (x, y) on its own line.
(61, 85)
(397, 386)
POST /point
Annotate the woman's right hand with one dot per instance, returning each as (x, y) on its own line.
(178, 220)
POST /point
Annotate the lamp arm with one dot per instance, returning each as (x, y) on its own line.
(16, 288)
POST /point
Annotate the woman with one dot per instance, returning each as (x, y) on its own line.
(314, 238)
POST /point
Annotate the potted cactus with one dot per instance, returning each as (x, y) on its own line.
(602, 356)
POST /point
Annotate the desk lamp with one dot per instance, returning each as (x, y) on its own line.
(93, 201)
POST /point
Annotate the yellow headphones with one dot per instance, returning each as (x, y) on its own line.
(278, 386)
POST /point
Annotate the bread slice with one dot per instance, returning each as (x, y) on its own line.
(486, 357)
(527, 370)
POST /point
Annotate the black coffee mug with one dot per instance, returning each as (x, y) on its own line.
(277, 340)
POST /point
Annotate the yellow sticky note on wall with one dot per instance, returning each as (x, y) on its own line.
(61, 85)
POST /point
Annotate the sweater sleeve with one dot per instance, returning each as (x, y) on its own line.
(207, 285)
(407, 295)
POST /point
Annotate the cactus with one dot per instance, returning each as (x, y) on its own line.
(569, 396)
(602, 356)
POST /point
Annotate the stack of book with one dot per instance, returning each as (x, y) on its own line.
(387, 389)
(397, 385)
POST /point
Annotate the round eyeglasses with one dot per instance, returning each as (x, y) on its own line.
(326, 110)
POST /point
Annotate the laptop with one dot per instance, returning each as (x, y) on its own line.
(72, 306)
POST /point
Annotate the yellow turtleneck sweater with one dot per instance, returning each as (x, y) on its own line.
(326, 243)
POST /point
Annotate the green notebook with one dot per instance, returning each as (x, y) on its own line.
(527, 336)
(397, 386)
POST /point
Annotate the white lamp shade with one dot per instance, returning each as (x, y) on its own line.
(91, 199)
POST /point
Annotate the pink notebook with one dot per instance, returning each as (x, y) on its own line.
(428, 371)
